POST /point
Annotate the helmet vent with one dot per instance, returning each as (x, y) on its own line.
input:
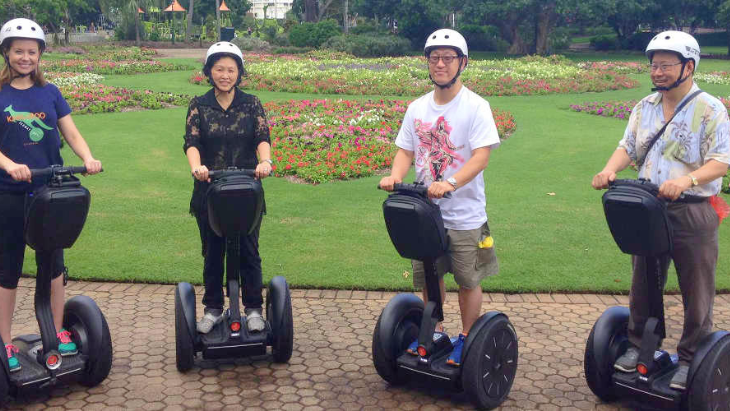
(446, 36)
(667, 37)
(20, 27)
(32, 28)
(433, 37)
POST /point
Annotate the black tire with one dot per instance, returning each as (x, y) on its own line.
(184, 350)
(388, 344)
(91, 334)
(709, 389)
(599, 373)
(282, 323)
(490, 365)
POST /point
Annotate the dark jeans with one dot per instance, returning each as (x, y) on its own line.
(214, 249)
(694, 254)
(12, 241)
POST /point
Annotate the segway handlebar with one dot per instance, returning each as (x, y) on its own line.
(654, 189)
(417, 188)
(231, 172)
(56, 170)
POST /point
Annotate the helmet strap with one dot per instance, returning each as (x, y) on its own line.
(676, 84)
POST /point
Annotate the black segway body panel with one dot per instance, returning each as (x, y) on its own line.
(235, 204)
(637, 218)
(55, 214)
(415, 226)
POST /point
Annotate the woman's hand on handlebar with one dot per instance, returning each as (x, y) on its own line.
(93, 166)
(200, 173)
(601, 180)
(19, 172)
(438, 189)
(263, 170)
(672, 189)
(386, 183)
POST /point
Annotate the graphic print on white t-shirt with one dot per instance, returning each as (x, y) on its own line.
(436, 152)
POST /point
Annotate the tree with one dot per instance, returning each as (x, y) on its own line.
(723, 18)
(189, 31)
(57, 13)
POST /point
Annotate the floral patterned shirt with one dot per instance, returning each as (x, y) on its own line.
(224, 138)
(698, 133)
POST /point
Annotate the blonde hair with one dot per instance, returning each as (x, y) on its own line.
(6, 75)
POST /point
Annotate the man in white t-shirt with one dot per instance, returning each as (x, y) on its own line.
(449, 133)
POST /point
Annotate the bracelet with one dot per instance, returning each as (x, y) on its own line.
(268, 160)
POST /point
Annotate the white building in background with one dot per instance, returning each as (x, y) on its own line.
(276, 8)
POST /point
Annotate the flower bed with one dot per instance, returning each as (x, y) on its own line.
(73, 79)
(621, 67)
(617, 109)
(716, 77)
(408, 76)
(103, 99)
(111, 67)
(323, 140)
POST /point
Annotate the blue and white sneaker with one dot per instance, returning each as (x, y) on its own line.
(455, 356)
(413, 348)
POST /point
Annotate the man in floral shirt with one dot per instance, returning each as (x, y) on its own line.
(690, 157)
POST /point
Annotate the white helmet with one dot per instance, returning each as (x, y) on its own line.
(676, 41)
(23, 29)
(224, 47)
(446, 38)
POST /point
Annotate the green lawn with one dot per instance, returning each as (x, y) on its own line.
(333, 235)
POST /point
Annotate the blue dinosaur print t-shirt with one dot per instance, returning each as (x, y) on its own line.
(29, 129)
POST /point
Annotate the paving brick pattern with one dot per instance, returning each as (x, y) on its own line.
(331, 367)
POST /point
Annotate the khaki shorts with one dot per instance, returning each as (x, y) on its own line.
(469, 263)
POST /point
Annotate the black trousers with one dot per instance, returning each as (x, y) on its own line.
(12, 242)
(214, 250)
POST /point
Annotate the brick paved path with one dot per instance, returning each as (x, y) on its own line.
(331, 367)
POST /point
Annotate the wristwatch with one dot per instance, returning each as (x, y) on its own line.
(452, 181)
(268, 160)
(694, 180)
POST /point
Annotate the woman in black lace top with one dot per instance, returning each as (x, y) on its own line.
(226, 128)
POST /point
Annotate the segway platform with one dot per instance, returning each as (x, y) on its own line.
(221, 342)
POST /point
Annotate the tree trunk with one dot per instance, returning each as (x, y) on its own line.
(310, 11)
(345, 19)
(218, 18)
(136, 28)
(323, 9)
(543, 27)
(509, 29)
(189, 31)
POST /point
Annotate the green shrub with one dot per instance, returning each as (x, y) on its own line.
(483, 38)
(125, 30)
(604, 42)
(559, 39)
(365, 45)
(366, 28)
(251, 43)
(313, 34)
(291, 50)
(281, 40)
(637, 41)
(726, 183)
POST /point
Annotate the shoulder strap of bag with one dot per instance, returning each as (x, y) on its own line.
(664, 127)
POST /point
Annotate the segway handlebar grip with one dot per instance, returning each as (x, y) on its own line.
(56, 170)
(232, 171)
(416, 188)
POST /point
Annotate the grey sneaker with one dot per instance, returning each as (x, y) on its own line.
(254, 320)
(627, 362)
(209, 320)
(679, 380)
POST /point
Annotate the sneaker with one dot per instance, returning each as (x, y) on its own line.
(627, 362)
(455, 356)
(254, 320)
(65, 345)
(679, 380)
(209, 320)
(413, 348)
(13, 362)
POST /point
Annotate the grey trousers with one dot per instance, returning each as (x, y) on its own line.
(694, 254)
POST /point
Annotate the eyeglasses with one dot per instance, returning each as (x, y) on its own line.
(664, 67)
(446, 59)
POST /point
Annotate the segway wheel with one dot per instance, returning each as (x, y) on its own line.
(4, 381)
(491, 364)
(87, 324)
(710, 389)
(184, 350)
(279, 314)
(601, 355)
(396, 328)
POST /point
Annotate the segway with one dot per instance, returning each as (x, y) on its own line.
(235, 206)
(489, 355)
(54, 217)
(639, 224)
